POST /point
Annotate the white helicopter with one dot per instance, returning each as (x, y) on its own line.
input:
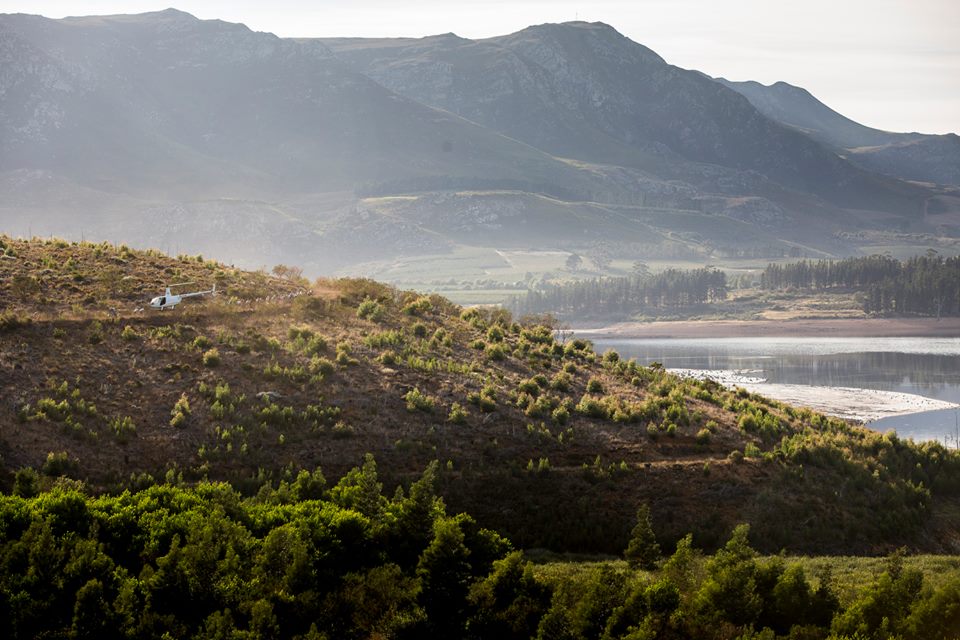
(170, 300)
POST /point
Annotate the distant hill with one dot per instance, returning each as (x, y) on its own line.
(203, 136)
(583, 90)
(910, 156)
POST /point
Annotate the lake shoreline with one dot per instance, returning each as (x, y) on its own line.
(837, 328)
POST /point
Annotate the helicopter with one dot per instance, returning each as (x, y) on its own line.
(170, 300)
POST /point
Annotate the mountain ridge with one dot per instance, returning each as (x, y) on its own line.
(910, 155)
(128, 116)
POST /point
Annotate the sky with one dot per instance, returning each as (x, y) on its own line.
(890, 64)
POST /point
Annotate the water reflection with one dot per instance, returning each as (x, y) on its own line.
(926, 367)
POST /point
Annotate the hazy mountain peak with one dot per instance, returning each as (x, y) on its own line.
(169, 13)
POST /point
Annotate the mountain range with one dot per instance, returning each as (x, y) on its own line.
(191, 135)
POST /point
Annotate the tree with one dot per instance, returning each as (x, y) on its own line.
(574, 262)
(444, 573)
(643, 550)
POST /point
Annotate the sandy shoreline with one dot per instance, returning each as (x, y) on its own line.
(837, 328)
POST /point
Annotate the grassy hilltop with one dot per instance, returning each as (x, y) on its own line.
(537, 436)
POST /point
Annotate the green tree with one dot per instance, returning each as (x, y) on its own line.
(643, 551)
(444, 573)
(729, 592)
(509, 602)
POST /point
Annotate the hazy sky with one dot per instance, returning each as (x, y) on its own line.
(892, 64)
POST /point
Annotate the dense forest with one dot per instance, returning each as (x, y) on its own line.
(305, 560)
(922, 285)
(673, 289)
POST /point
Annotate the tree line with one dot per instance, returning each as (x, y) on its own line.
(673, 289)
(923, 285)
(304, 560)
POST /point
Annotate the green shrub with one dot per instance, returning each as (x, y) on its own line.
(123, 427)
(560, 415)
(593, 408)
(485, 400)
(321, 365)
(594, 386)
(748, 423)
(371, 310)
(383, 339)
(417, 401)
(751, 451)
(201, 342)
(496, 352)
(703, 436)
(418, 307)
(388, 357)
(180, 412)
(458, 415)
(419, 330)
(211, 358)
(129, 333)
(561, 381)
(495, 334)
(530, 387)
(58, 464)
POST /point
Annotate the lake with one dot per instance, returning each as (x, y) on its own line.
(907, 384)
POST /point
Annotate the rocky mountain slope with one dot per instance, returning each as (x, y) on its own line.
(910, 156)
(194, 135)
(537, 435)
(583, 90)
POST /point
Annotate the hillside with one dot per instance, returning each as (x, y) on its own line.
(582, 90)
(350, 155)
(909, 156)
(537, 437)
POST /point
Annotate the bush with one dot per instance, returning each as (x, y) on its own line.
(371, 310)
(417, 401)
(593, 408)
(58, 464)
(323, 366)
(560, 415)
(561, 381)
(736, 456)
(458, 415)
(594, 386)
(201, 342)
(129, 333)
(211, 358)
(496, 352)
(703, 436)
(123, 427)
(495, 334)
(180, 411)
(418, 307)
(485, 400)
(383, 339)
